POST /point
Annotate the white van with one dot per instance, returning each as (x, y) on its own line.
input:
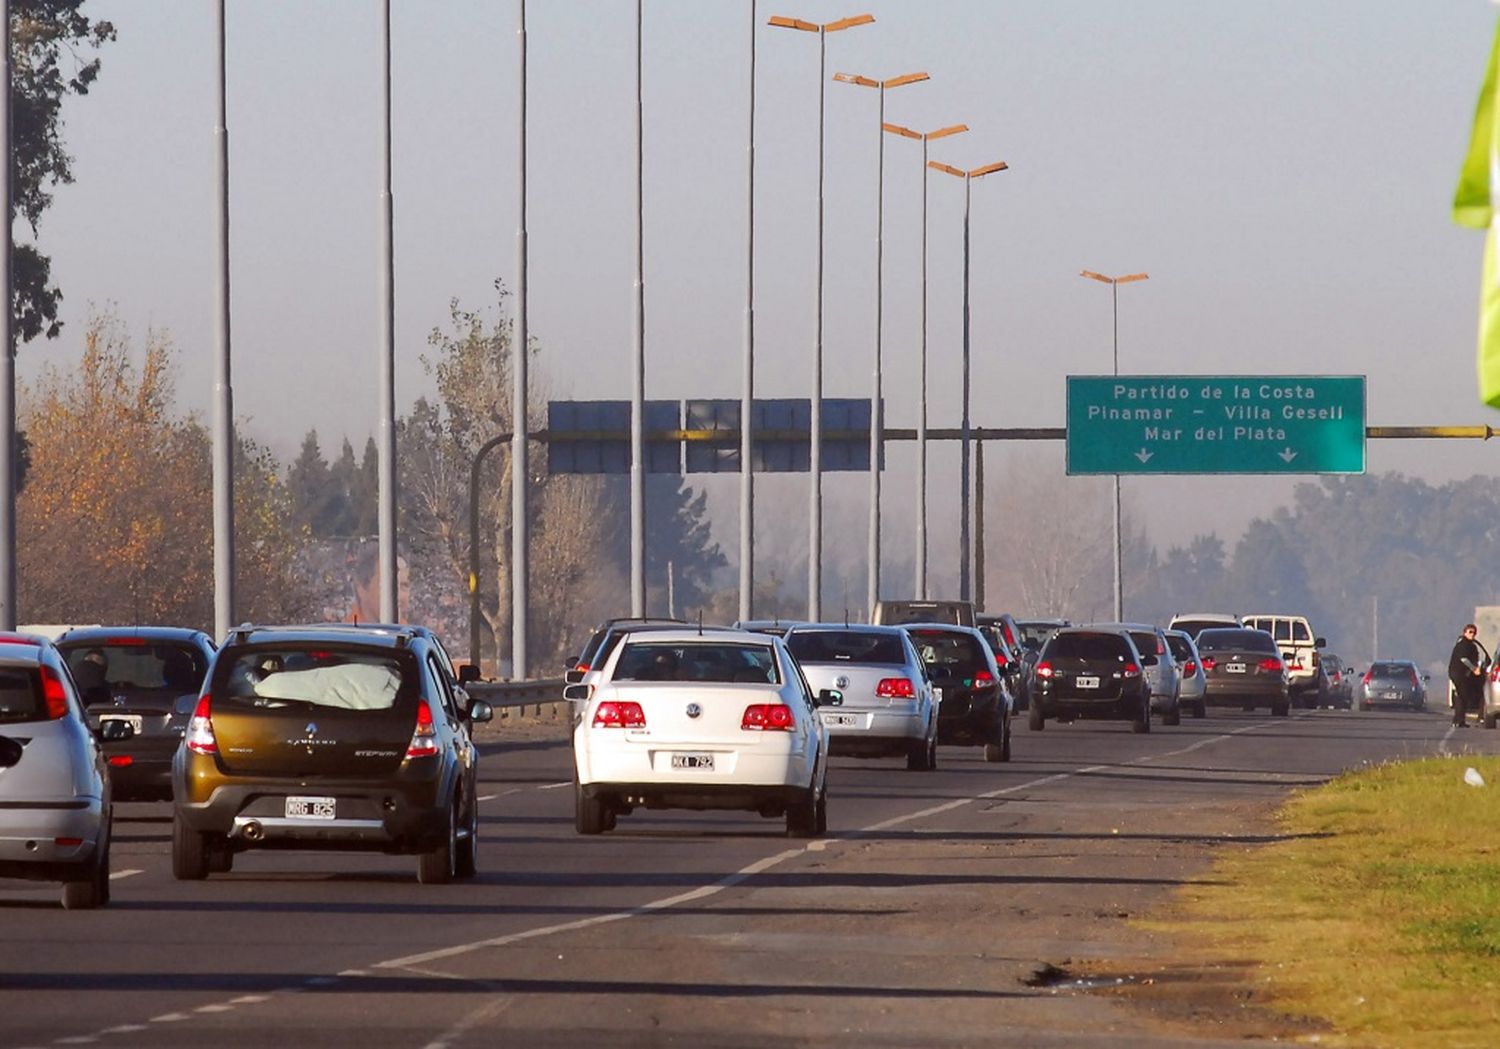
(1192, 622)
(1299, 650)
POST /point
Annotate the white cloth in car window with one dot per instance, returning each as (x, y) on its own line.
(356, 686)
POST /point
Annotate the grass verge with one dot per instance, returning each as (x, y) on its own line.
(1378, 911)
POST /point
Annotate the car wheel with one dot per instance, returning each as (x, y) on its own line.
(820, 825)
(189, 852)
(1034, 719)
(467, 864)
(437, 866)
(92, 888)
(802, 815)
(1142, 723)
(921, 755)
(591, 815)
(220, 858)
(1200, 709)
(1280, 709)
(1489, 721)
(1173, 716)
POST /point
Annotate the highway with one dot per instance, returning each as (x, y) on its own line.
(923, 919)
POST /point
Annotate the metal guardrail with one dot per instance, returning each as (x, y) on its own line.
(500, 694)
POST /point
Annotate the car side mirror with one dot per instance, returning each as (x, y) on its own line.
(577, 693)
(183, 706)
(468, 673)
(1320, 642)
(830, 697)
(114, 730)
(573, 677)
(10, 752)
(570, 662)
(479, 710)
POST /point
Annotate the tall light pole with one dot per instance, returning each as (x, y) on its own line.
(389, 599)
(747, 386)
(638, 362)
(872, 575)
(520, 518)
(7, 354)
(223, 412)
(964, 544)
(1114, 295)
(924, 138)
(815, 453)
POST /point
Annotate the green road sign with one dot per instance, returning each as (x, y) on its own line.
(1216, 424)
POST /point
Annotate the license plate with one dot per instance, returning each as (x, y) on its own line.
(841, 720)
(1390, 695)
(701, 762)
(1086, 682)
(1234, 668)
(133, 720)
(308, 808)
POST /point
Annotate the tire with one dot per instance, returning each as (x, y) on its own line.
(590, 815)
(1173, 716)
(999, 751)
(92, 890)
(820, 823)
(1280, 709)
(1034, 719)
(921, 756)
(1489, 721)
(189, 852)
(467, 863)
(220, 858)
(1200, 710)
(1142, 723)
(437, 866)
(802, 816)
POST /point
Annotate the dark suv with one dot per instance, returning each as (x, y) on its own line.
(1091, 674)
(138, 675)
(602, 642)
(328, 738)
(976, 700)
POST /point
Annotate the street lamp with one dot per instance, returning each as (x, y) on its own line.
(924, 138)
(1114, 294)
(963, 497)
(872, 575)
(815, 452)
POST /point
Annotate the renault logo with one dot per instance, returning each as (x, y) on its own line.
(694, 710)
(312, 728)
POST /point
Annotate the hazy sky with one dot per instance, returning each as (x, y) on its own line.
(1283, 169)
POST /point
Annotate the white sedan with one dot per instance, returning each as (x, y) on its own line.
(683, 719)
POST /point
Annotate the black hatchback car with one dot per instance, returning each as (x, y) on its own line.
(976, 698)
(328, 738)
(138, 675)
(1085, 673)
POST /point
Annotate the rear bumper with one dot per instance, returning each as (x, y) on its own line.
(969, 720)
(1126, 707)
(876, 732)
(697, 796)
(772, 765)
(374, 817)
(28, 837)
(1235, 693)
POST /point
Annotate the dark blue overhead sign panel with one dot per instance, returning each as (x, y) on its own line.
(593, 437)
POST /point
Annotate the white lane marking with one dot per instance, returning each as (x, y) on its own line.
(83, 1039)
(169, 1018)
(488, 797)
(250, 999)
(217, 1007)
(124, 1029)
(1443, 743)
(117, 875)
(554, 786)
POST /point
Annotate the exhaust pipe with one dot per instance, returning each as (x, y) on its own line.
(254, 831)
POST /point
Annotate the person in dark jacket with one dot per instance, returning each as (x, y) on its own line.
(1466, 671)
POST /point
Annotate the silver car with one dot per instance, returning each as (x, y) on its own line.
(55, 806)
(888, 705)
(1161, 669)
(1192, 690)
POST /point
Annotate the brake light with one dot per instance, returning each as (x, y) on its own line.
(1209, 662)
(124, 641)
(1130, 670)
(775, 717)
(1190, 667)
(424, 742)
(1495, 674)
(983, 679)
(895, 688)
(1414, 678)
(1002, 660)
(615, 714)
(1272, 663)
(121, 761)
(1366, 679)
(53, 693)
(200, 731)
(582, 668)
(1044, 670)
(67, 843)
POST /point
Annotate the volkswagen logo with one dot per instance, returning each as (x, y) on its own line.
(841, 682)
(694, 710)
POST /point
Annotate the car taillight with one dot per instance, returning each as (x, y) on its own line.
(1130, 670)
(774, 717)
(1209, 662)
(1414, 681)
(1294, 663)
(582, 668)
(1190, 667)
(1044, 670)
(1366, 679)
(983, 679)
(120, 761)
(53, 693)
(200, 731)
(424, 743)
(895, 688)
(1495, 674)
(615, 714)
(1272, 663)
(1001, 660)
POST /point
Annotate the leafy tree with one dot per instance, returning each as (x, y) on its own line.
(116, 521)
(47, 38)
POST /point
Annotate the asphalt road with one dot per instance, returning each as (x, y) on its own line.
(918, 921)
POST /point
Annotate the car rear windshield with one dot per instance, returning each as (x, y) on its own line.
(343, 678)
(920, 612)
(1391, 670)
(1242, 640)
(1086, 646)
(943, 648)
(1036, 634)
(722, 662)
(133, 664)
(20, 698)
(1181, 647)
(1146, 642)
(846, 646)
